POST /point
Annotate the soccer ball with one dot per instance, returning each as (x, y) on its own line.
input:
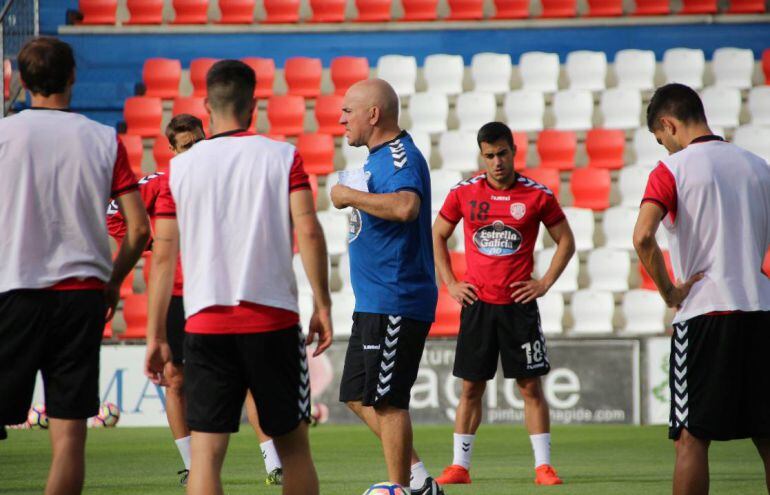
(108, 416)
(37, 418)
(319, 414)
(385, 488)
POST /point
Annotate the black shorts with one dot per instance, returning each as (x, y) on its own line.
(719, 376)
(382, 360)
(60, 334)
(510, 332)
(220, 368)
(175, 329)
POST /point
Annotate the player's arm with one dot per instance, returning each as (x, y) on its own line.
(529, 290)
(312, 251)
(651, 256)
(462, 292)
(401, 206)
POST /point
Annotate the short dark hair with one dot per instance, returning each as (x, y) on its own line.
(230, 85)
(184, 122)
(46, 65)
(675, 100)
(493, 132)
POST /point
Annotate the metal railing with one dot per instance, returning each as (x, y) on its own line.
(18, 23)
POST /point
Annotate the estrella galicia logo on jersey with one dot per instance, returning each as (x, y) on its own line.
(354, 225)
(518, 210)
(497, 239)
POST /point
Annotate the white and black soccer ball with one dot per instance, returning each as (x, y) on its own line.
(108, 416)
(37, 417)
(385, 488)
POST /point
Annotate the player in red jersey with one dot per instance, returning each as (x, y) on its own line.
(502, 212)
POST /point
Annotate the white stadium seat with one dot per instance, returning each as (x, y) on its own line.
(592, 311)
(441, 181)
(733, 67)
(646, 148)
(459, 151)
(524, 110)
(581, 221)
(355, 156)
(335, 227)
(400, 71)
(491, 72)
(444, 73)
(635, 69)
(343, 306)
(573, 109)
(539, 71)
(568, 281)
(429, 112)
(303, 284)
(722, 105)
(621, 108)
(685, 66)
(755, 139)
(759, 105)
(632, 182)
(608, 269)
(644, 312)
(344, 273)
(474, 109)
(618, 226)
(587, 70)
(551, 307)
(423, 142)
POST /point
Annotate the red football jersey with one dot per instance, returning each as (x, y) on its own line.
(501, 228)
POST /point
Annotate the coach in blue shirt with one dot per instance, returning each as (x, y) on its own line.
(392, 274)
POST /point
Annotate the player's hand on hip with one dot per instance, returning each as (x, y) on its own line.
(463, 292)
(339, 196)
(111, 298)
(676, 295)
(157, 355)
(320, 326)
(527, 291)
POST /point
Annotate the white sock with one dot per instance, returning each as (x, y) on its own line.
(272, 461)
(183, 444)
(463, 450)
(418, 477)
(541, 446)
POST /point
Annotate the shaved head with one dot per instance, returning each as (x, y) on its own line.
(369, 106)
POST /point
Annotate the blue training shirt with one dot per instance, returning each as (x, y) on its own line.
(391, 263)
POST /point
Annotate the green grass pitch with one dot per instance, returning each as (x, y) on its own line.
(592, 460)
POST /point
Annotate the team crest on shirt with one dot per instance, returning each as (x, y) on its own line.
(354, 225)
(497, 239)
(518, 210)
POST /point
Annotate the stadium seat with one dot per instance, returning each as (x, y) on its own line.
(161, 77)
(343, 307)
(685, 66)
(557, 149)
(587, 70)
(286, 114)
(631, 184)
(444, 73)
(143, 115)
(429, 112)
(7, 75)
(646, 148)
(573, 109)
(236, 12)
(161, 153)
(419, 10)
(549, 177)
(281, 11)
(355, 157)
(98, 11)
(511, 9)
(692, 7)
(134, 150)
(191, 11)
(644, 312)
(605, 8)
(621, 108)
(647, 282)
(424, 144)
(581, 222)
(746, 7)
(722, 105)
(491, 72)
(618, 227)
(199, 67)
(524, 110)
(590, 188)
(592, 312)
(652, 7)
(733, 67)
(328, 10)
(447, 322)
(755, 139)
(605, 148)
(551, 306)
(135, 314)
(303, 76)
(373, 10)
(474, 109)
(194, 106)
(441, 181)
(303, 283)
(759, 105)
(539, 71)
(400, 71)
(558, 8)
(345, 71)
(568, 281)
(328, 109)
(521, 141)
(343, 269)
(766, 264)
(335, 227)
(609, 269)
(766, 65)
(317, 151)
(145, 11)
(459, 151)
(465, 10)
(107, 333)
(264, 69)
(635, 69)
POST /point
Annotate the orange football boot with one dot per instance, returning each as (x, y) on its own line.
(454, 475)
(546, 475)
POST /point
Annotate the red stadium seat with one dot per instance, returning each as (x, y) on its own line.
(145, 11)
(199, 67)
(373, 10)
(511, 9)
(264, 68)
(107, 334)
(303, 76)
(746, 7)
(328, 10)
(191, 11)
(275, 137)
(134, 150)
(328, 109)
(447, 322)
(766, 65)
(652, 7)
(346, 71)
(143, 115)
(194, 106)
(559, 8)
(590, 188)
(98, 11)
(162, 154)
(419, 10)
(557, 149)
(317, 151)
(549, 177)
(766, 264)
(135, 314)
(605, 8)
(647, 282)
(281, 11)
(161, 77)
(698, 7)
(236, 11)
(460, 10)
(7, 73)
(521, 141)
(127, 287)
(286, 114)
(605, 148)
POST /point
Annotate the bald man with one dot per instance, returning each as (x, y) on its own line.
(392, 274)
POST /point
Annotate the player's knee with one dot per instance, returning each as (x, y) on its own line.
(473, 391)
(687, 442)
(531, 389)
